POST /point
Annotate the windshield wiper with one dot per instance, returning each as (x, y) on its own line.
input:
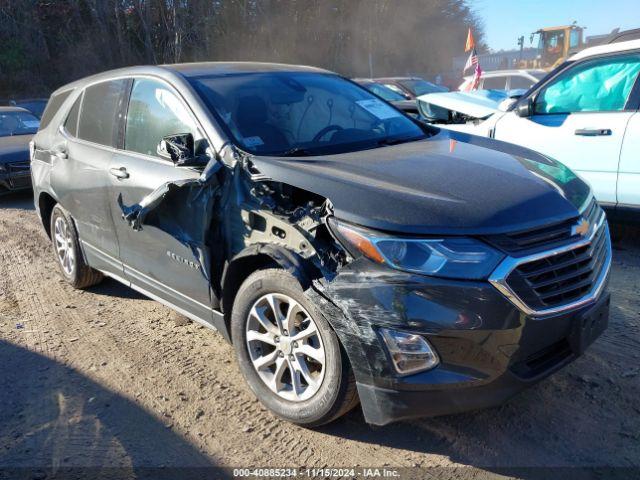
(296, 152)
(396, 141)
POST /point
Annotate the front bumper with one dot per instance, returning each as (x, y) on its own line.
(489, 350)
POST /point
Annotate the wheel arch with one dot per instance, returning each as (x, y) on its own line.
(254, 258)
(46, 202)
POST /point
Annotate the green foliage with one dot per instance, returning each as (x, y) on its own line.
(12, 56)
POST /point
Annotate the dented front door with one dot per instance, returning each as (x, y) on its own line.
(158, 256)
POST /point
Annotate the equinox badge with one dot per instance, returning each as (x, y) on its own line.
(180, 259)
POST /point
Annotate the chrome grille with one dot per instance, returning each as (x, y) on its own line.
(545, 237)
(560, 278)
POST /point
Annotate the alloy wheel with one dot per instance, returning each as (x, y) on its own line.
(285, 347)
(64, 245)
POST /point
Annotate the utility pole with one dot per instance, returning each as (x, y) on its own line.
(521, 44)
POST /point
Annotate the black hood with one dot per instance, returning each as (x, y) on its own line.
(15, 148)
(451, 183)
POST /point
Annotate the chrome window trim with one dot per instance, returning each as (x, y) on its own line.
(499, 277)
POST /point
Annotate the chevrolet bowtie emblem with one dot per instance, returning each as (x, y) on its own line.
(581, 228)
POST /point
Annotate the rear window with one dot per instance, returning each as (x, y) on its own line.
(101, 103)
(54, 104)
(71, 123)
(521, 82)
(495, 83)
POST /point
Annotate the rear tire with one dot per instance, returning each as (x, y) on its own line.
(306, 378)
(66, 247)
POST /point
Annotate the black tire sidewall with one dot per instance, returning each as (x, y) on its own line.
(319, 408)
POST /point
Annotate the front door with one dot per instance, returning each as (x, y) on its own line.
(158, 257)
(579, 118)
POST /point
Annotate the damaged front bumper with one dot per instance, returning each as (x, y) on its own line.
(488, 349)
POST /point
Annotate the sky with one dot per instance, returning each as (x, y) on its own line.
(506, 20)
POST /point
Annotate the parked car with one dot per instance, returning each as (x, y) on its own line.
(410, 87)
(386, 93)
(505, 80)
(347, 250)
(585, 114)
(17, 126)
(34, 105)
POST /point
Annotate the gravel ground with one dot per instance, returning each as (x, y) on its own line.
(107, 377)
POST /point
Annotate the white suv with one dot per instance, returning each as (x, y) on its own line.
(505, 80)
(584, 114)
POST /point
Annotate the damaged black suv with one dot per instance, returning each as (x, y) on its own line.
(348, 251)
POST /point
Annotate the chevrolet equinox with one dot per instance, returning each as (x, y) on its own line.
(349, 252)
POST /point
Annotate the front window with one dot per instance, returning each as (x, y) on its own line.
(601, 85)
(18, 123)
(422, 87)
(298, 114)
(155, 112)
(553, 46)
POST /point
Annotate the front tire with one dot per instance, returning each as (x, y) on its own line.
(288, 353)
(66, 247)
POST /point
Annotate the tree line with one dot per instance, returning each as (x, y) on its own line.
(46, 43)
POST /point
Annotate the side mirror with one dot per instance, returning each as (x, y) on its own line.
(506, 104)
(524, 109)
(178, 148)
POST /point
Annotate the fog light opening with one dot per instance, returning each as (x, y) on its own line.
(410, 353)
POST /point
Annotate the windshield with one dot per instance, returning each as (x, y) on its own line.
(422, 87)
(18, 123)
(302, 113)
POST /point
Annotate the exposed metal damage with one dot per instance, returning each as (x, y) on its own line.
(234, 205)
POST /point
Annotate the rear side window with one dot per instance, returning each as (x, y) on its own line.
(495, 83)
(71, 123)
(521, 82)
(53, 105)
(100, 106)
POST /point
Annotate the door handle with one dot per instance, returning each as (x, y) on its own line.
(593, 132)
(119, 172)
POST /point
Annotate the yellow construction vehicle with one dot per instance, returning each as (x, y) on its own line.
(555, 44)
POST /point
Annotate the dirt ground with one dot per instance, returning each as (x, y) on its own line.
(109, 378)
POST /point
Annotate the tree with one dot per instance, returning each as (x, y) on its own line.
(46, 43)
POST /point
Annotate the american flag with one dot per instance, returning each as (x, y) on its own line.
(471, 61)
(476, 77)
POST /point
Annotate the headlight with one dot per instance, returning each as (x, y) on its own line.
(454, 257)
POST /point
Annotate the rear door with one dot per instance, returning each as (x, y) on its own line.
(83, 150)
(579, 118)
(156, 258)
